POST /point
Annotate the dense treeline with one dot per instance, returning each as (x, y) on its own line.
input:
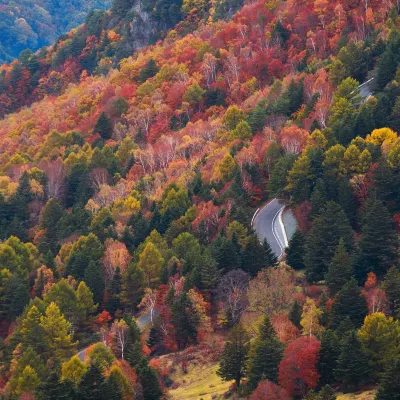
(33, 24)
(134, 190)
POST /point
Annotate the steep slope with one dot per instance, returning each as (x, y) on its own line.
(131, 179)
(31, 24)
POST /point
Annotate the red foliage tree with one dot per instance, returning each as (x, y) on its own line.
(297, 370)
(267, 390)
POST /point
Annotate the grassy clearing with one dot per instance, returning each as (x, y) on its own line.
(368, 395)
(201, 382)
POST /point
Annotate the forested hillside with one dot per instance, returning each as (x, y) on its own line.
(129, 178)
(31, 24)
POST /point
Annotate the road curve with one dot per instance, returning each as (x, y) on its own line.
(267, 225)
(141, 322)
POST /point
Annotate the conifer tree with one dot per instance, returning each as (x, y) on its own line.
(329, 352)
(185, 321)
(391, 286)
(93, 279)
(254, 256)
(54, 389)
(92, 384)
(225, 254)
(149, 70)
(386, 67)
(339, 269)
(352, 366)
(295, 314)
(270, 259)
(233, 364)
(114, 292)
(295, 251)
(265, 355)
(104, 126)
(58, 338)
(209, 273)
(378, 243)
(389, 388)
(149, 381)
(327, 229)
(318, 198)
(350, 303)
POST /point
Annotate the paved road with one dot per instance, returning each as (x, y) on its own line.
(267, 225)
(142, 322)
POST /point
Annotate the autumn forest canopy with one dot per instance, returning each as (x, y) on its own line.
(135, 149)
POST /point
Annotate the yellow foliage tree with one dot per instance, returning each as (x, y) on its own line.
(310, 318)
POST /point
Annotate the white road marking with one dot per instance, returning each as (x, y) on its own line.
(273, 232)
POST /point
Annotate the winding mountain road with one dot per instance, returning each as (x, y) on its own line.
(141, 322)
(268, 225)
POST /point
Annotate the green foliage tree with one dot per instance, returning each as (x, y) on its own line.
(265, 355)
(58, 340)
(104, 125)
(148, 71)
(85, 249)
(352, 366)
(349, 303)
(149, 381)
(185, 320)
(92, 384)
(378, 243)
(339, 270)
(389, 387)
(114, 290)
(242, 131)
(327, 229)
(296, 251)
(233, 364)
(92, 278)
(233, 116)
(328, 356)
(295, 314)
(380, 336)
(391, 286)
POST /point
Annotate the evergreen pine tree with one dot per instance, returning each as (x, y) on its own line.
(111, 389)
(386, 68)
(326, 393)
(391, 286)
(331, 225)
(134, 346)
(295, 314)
(114, 293)
(234, 357)
(253, 256)
(185, 321)
(104, 126)
(395, 116)
(318, 198)
(378, 243)
(270, 259)
(148, 71)
(339, 269)
(329, 352)
(225, 254)
(389, 388)
(352, 366)
(350, 303)
(54, 389)
(149, 381)
(209, 273)
(265, 355)
(92, 384)
(93, 279)
(295, 251)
